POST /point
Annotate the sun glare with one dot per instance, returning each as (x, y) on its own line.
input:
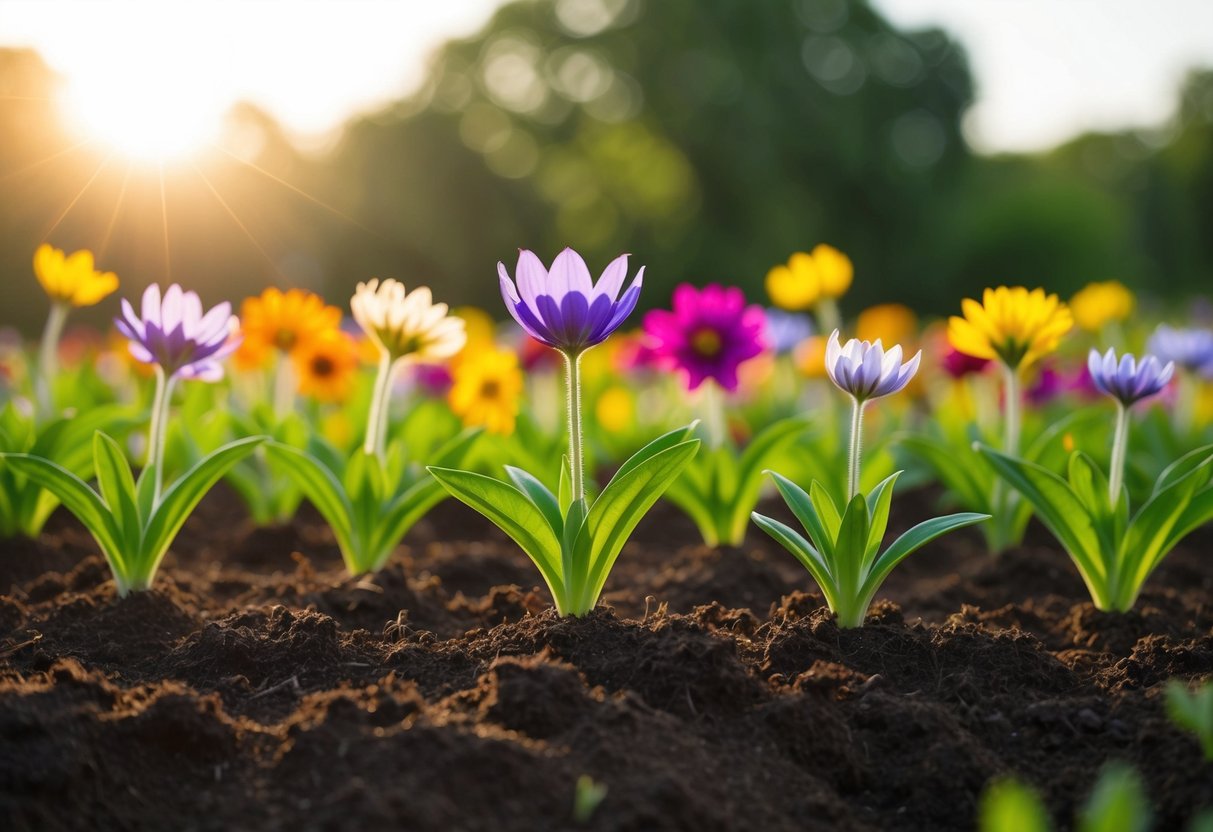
(146, 107)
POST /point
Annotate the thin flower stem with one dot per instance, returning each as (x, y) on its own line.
(1002, 499)
(714, 418)
(828, 317)
(284, 386)
(857, 407)
(572, 366)
(1012, 406)
(157, 431)
(48, 356)
(1120, 446)
(376, 428)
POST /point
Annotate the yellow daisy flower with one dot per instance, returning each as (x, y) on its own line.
(486, 389)
(1011, 324)
(72, 279)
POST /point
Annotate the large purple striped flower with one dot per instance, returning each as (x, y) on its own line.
(1128, 380)
(174, 333)
(562, 306)
(866, 370)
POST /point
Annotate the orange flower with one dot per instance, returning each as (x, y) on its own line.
(283, 322)
(327, 366)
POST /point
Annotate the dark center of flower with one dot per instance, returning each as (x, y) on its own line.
(706, 342)
(490, 389)
(323, 366)
(285, 339)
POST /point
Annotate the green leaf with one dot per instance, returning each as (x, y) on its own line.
(827, 509)
(802, 506)
(879, 503)
(1145, 542)
(117, 485)
(851, 546)
(179, 501)
(1117, 804)
(955, 468)
(804, 552)
(910, 542)
(1192, 710)
(1198, 512)
(1009, 806)
(658, 445)
(539, 496)
(1061, 510)
(1183, 466)
(619, 508)
(565, 489)
(748, 478)
(80, 500)
(514, 514)
(322, 489)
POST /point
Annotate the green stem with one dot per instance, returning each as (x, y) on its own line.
(376, 428)
(714, 417)
(572, 367)
(1120, 447)
(284, 387)
(1012, 407)
(157, 431)
(1002, 498)
(828, 317)
(48, 357)
(857, 407)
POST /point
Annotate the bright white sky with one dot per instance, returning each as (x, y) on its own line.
(1046, 69)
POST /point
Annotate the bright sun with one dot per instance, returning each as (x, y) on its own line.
(148, 108)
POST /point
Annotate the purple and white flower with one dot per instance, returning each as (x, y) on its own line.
(174, 334)
(865, 370)
(1128, 380)
(562, 306)
(1191, 349)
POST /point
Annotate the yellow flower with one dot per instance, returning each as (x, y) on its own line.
(808, 278)
(286, 322)
(615, 409)
(407, 323)
(1011, 324)
(486, 388)
(893, 323)
(834, 269)
(478, 324)
(796, 286)
(327, 366)
(1098, 304)
(72, 279)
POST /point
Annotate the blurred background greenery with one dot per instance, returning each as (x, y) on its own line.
(710, 138)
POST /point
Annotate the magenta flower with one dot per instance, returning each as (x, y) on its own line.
(708, 334)
(175, 335)
(563, 307)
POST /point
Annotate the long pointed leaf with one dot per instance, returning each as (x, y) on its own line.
(804, 552)
(539, 495)
(323, 490)
(514, 514)
(179, 501)
(912, 541)
(117, 485)
(618, 509)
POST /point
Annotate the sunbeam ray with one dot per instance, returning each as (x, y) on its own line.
(297, 190)
(168, 256)
(239, 222)
(76, 198)
(34, 165)
(109, 229)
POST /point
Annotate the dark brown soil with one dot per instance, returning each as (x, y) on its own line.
(257, 687)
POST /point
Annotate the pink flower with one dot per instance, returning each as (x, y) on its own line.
(708, 334)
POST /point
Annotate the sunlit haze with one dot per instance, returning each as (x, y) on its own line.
(153, 79)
